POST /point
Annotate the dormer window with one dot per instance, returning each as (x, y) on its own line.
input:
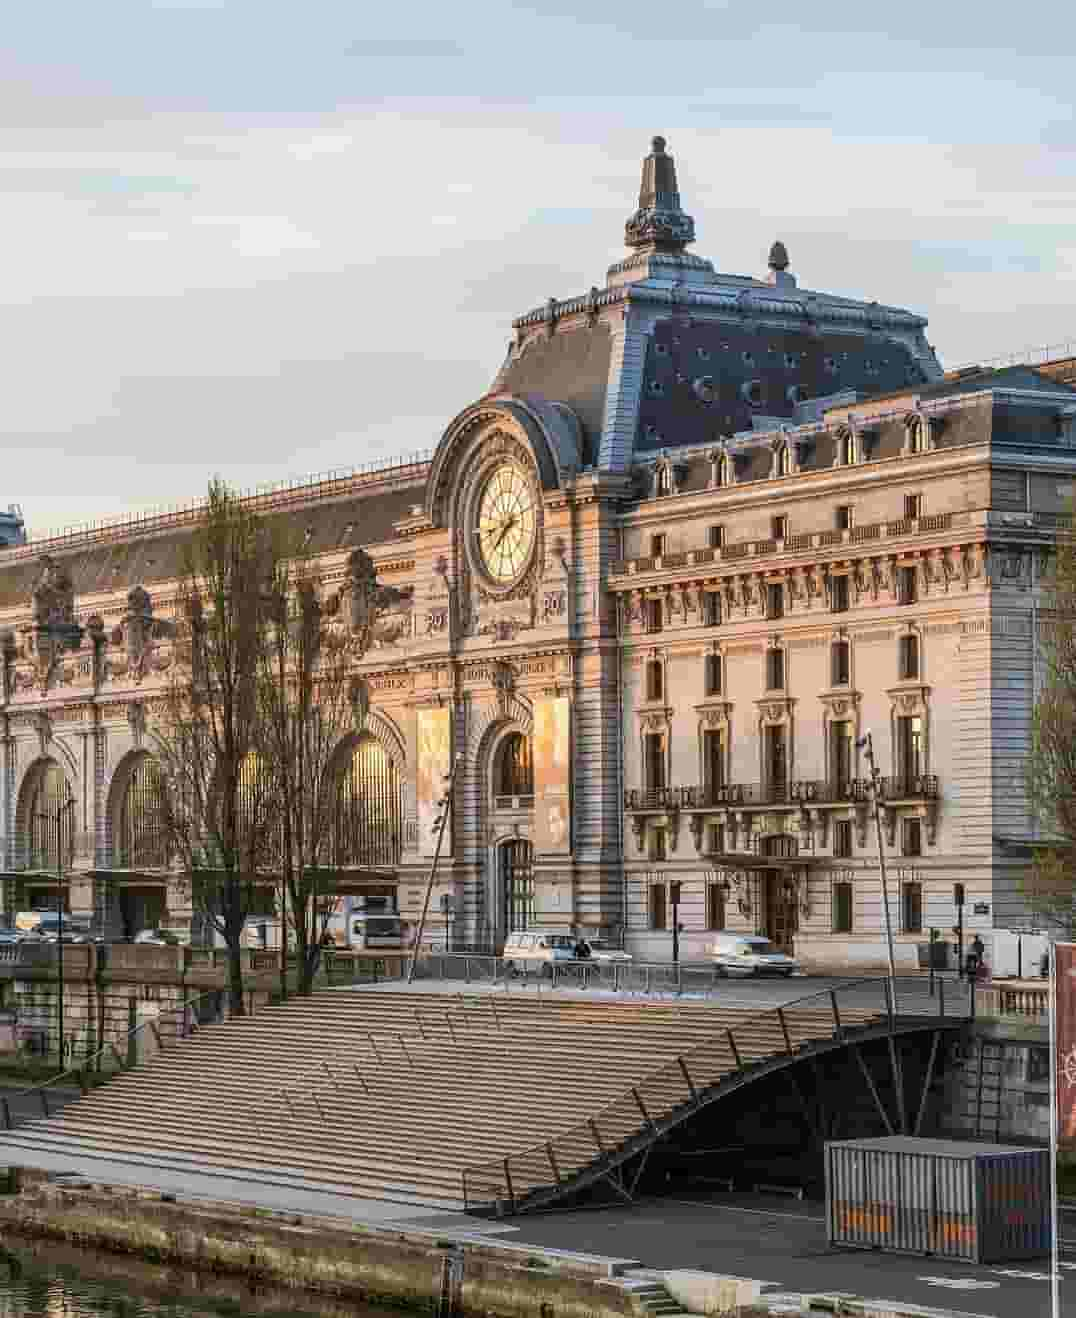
(848, 449)
(723, 471)
(663, 481)
(784, 461)
(752, 392)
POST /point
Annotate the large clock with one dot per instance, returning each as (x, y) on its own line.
(506, 524)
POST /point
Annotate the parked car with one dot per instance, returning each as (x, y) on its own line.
(156, 938)
(524, 951)
(741, 955)
(46, 927)
(602, 952)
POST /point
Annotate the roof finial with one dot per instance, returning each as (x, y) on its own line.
(778, 256)
(659, 223)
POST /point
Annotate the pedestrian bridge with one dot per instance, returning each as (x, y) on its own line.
(494, 1100)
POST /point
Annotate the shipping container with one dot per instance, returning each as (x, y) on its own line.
(987, 1203)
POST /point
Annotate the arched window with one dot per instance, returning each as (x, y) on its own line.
(140, 841)
(848, 448)
(514, 770)
(723, 470)
(50, 822)
(368, 820)
(784, 460)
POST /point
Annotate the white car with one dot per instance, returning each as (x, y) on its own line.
(522, 951)
(740, 955)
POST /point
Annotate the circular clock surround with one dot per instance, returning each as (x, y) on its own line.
(505, 524)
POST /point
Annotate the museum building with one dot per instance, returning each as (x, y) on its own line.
(702, 534)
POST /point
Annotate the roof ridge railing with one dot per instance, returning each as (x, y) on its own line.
(492, 1183)
(184, 1028)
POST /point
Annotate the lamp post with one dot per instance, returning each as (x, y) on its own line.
(446, 911)
(49, 817)
(866, 743)
(674, 897)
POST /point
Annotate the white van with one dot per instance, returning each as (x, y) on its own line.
(740, 955)
(524, 951)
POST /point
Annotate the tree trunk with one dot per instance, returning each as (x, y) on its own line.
(235, 976)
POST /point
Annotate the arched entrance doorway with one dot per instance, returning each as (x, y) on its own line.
(517, 884)
(780, 917)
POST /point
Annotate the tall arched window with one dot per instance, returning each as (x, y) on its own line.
(514, 771)
(140, 840)
(368, 820)
(49, 824)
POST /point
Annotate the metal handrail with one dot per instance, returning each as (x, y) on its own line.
(78, 1073)
(589, 1129)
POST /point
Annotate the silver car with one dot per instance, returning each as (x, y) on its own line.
(740, 955)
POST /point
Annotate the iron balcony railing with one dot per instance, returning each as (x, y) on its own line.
(796, 791)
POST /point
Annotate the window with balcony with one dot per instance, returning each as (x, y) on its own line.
(775, 669)
(713, 759)
(909, 751)
(715, 537)
(655, 680)
(911, 908)
(654, 615)
(907, 587)
(843, 520)
(911, 837)
(841, 755)
(839, 594)
(779, 527)
(715, 906)
(909, 657)
(711, 608)
(775, 758)
(658, 905)
(842, 838)
(775, 600)
(842, 907)
(840, 663)
(913, 507)
(654, 761)
(712, 675)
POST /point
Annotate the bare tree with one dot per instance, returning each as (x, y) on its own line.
(309, 702)
(1051, 767)
(217, 804)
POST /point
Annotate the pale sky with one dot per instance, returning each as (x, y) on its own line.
(264, 238)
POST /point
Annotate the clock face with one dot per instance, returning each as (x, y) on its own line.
(506, 524)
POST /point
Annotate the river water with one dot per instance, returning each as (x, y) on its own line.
(47, 1280)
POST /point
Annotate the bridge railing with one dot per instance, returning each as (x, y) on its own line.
(663, 1098)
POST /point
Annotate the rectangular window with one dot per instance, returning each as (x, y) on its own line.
(842, 908)
(654, 761)
(717, 838)
(844, 516)
(657, 906)
(657, 546)
(715, 537)
(776, 759)
(840, 663)
(775, 600)
(907, 592)
(913, 506)
(711, 608)
(715, 906)
(775, 670)
(653, 615)
(909, 751)
(713, 758)
(713, 675)
(842, 838)
(912, 837)
(779, 527)
(911, 908)
(838, 594)
(840, 755)
(655, 680)
(659, 848)
(909, 656)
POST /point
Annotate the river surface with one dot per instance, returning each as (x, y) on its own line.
(47, 1280)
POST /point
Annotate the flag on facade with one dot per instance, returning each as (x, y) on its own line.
(1065, 1037)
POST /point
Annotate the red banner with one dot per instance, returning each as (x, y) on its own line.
(1065, 1039)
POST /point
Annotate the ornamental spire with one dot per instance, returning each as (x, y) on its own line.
(659, 224)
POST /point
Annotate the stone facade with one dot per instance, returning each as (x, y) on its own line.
(701, 535)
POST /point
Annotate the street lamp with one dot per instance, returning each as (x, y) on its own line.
(674, 897)
(866, 744)
(49, 817)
